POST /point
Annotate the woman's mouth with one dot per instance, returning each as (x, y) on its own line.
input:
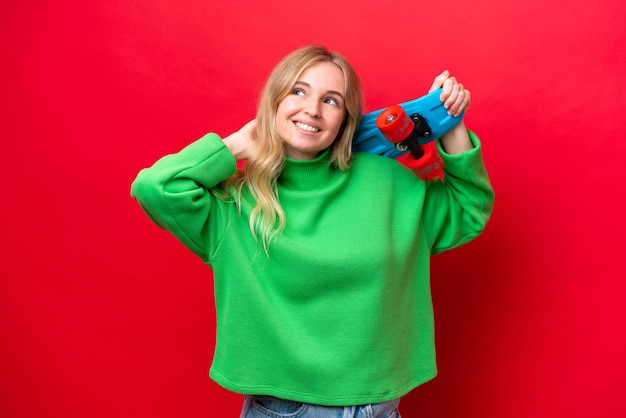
(307, 127)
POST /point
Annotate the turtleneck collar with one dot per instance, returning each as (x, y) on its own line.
(308, 174)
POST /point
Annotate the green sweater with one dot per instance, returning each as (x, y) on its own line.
(340, 313)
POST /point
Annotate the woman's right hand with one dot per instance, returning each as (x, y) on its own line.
(243, 142)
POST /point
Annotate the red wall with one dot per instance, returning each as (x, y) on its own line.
(104, 315)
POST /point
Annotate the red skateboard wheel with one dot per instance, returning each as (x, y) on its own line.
(427, 167)
(395, 124)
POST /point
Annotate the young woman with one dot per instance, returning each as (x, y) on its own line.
(320, 256)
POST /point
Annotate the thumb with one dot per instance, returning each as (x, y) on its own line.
(438, 81)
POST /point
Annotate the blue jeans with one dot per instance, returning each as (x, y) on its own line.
(268, 406)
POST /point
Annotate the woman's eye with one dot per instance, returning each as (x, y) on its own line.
(331, 101)
(298, 92)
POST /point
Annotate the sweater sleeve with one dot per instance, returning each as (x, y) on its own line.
(457, 209)
(176, 191)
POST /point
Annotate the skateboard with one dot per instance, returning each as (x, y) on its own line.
(407, 133)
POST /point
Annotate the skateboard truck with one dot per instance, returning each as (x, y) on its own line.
(421, 126)
(405, 133)
(406, 138)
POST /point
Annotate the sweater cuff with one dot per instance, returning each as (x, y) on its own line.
(465, 161)
(213, 160)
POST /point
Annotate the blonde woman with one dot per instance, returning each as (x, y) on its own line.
(320, 257)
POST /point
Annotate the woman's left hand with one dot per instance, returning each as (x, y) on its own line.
(454, 96)
(456, 99)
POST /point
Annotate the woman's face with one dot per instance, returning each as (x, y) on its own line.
(309, 118)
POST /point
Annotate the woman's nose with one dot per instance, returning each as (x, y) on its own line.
(313, 108)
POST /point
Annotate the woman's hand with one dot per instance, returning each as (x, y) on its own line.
(454, 95)
(456, 98)
(243, 142)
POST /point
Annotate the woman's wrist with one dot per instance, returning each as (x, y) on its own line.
(456, 140)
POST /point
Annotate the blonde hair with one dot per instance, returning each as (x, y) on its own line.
(261, 173)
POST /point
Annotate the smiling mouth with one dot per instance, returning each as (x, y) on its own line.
(306, 127)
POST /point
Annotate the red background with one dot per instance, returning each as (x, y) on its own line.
(104, 315)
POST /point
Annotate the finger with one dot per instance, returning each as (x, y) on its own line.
(450, 92)
(457, 105)
(462, 102)
(249, 129)
(467, 99)
(439, 80)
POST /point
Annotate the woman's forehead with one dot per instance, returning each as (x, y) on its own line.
(325, 75)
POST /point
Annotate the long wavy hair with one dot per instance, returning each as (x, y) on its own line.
(260, 174)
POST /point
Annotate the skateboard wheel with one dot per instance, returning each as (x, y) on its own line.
(395, 124)
(427, 167)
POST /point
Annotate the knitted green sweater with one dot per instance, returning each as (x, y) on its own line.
(340, 313)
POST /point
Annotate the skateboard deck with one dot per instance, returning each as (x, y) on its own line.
(432, 118)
